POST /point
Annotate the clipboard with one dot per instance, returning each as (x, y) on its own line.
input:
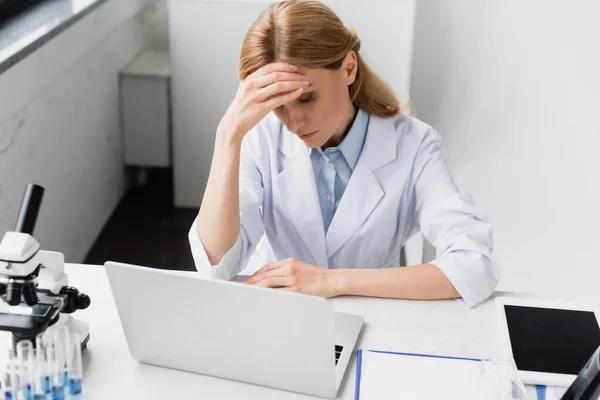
(410, 368)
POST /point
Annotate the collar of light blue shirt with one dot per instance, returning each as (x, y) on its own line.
(352, 144)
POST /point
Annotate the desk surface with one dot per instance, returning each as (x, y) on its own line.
(438, 327)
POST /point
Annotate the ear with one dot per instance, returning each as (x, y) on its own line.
(350, 67)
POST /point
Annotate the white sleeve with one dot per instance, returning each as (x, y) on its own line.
(450, 221)
(251, 224)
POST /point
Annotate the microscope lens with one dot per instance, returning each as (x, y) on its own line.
(13, 293)
(29, 293)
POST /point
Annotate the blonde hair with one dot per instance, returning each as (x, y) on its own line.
(307, 33)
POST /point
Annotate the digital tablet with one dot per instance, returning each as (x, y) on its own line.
(549, 340)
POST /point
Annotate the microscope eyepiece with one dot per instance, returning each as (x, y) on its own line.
(30, 206)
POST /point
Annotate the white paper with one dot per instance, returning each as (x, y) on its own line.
(393, 377)
(555, 393)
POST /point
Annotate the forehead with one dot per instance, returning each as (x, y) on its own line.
(317, 76)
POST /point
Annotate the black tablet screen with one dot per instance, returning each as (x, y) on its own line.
(551, 340)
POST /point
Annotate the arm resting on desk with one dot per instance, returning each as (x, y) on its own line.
(419, 282)
(423, 282)
(449, 219)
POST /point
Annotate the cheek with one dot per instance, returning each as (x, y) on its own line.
(279, 114)
(321, 118)
(330, 113)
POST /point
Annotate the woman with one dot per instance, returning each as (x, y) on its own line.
(315, 157)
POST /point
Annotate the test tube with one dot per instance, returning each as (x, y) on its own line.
(74, 364)
(39, 385)
(56, 381)
(11, 379)
(31, 366)
(59, 370)
(25, 367)
(7, 383)
(32, 371)
(41, 341)
(66, 345)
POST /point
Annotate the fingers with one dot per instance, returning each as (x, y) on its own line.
(277, 282)
(279, 88)
(271, 78)
(266, 69)
(274, 85)
(264, 271)
(282, 99)
(294, 289)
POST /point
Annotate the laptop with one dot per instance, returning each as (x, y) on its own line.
(232, 330)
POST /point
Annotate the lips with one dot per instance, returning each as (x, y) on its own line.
(307, 136)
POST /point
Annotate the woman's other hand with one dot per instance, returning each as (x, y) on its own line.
(296, 276)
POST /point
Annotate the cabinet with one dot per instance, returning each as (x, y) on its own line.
(146, 110)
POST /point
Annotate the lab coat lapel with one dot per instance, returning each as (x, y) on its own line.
(296, 186)
(363, 192)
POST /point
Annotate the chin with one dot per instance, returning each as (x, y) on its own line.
(315, 141)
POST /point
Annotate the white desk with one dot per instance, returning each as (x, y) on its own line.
(440, 327)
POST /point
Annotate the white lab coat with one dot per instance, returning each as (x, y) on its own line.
(400, 185)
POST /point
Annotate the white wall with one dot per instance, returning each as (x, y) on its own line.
(156, 24)
(60, 127)
(513, 87)
(205, 40)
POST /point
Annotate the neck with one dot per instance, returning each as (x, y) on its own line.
(348, 120)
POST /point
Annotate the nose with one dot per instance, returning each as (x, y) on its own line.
(295, 119)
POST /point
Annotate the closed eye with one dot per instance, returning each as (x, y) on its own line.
(306, 99)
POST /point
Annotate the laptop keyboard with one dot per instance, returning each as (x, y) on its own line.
(338, 353)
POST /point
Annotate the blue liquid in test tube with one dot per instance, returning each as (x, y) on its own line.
(74, 365)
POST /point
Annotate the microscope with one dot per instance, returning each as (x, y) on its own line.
(33, 284)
